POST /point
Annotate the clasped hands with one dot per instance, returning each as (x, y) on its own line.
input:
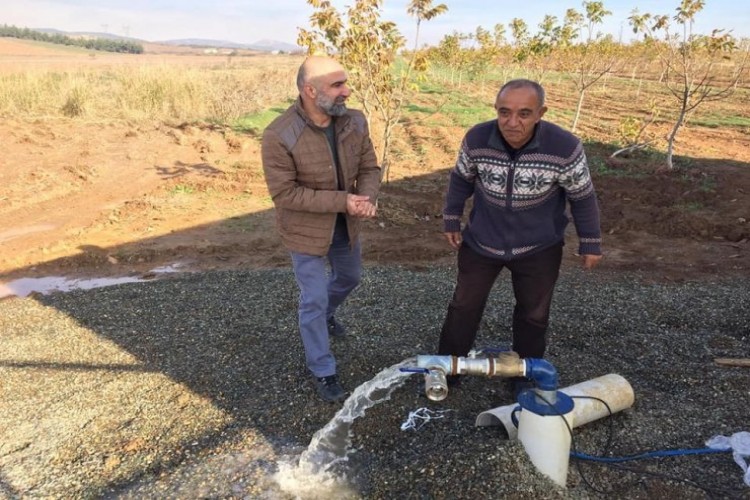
(360, 206)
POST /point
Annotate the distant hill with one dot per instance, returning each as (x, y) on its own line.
(261, 45)
(271, 45)
(88, 34)
(95, 42)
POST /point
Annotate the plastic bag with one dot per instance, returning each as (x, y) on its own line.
(739, 443)
(421, 416)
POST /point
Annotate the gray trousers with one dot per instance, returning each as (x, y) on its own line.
(322, 292)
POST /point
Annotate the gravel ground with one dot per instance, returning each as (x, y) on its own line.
(195, 387)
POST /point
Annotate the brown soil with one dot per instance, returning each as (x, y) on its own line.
(111, 199)
(79, 198)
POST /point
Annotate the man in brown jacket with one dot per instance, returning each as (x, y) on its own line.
(323, 176)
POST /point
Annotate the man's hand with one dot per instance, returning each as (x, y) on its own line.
(366, 209)
(590, 261)
(360, 206)
(454, 239)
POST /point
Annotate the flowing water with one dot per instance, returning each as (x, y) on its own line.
(23, 287)
(314, 475)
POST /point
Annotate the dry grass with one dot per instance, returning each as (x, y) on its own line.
(49, 82)
(175, 88)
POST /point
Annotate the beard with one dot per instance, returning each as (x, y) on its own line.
(330, 106)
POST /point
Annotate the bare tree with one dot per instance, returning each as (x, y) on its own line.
(690, 61)
(594, 57)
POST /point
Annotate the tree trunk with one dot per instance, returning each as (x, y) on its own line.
(391, 120)
(578, 110)
(673, 134)
(385, 161)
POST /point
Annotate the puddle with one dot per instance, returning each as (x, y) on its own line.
(23, 287)
(177, 267)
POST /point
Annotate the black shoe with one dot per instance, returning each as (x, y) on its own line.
(335, 329)
(330, 390)
(520, 384)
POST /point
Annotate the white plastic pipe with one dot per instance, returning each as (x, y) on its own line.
(612, 388)
(546, 440)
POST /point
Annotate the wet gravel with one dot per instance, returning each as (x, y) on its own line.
(195, 387)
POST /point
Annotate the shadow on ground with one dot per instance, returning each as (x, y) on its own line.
(130, 382)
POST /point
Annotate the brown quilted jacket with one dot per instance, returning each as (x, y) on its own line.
(301, 176)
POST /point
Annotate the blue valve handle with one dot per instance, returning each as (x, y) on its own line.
(414, 370)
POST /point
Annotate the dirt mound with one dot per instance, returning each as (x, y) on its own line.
(113, 198)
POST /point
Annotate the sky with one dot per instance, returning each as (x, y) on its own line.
(249, 21)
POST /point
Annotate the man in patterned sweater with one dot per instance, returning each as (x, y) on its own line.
(521, 171)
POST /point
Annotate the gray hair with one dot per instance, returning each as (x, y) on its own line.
(301, 77)
(523, 83)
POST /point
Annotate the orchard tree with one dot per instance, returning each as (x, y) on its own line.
(484, 53)
(473, 53)
(423, 11)
(498, 34)
(538, 50)
(542, 44)
(593, 57)
(520, 32)
(633, 131)
(367, 47)
(448, 53)
(690, 62)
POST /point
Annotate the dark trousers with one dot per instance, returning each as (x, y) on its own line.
(533, 278)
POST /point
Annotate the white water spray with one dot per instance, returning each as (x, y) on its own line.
(313, 477)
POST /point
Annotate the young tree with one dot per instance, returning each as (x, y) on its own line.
(591, 59)
(368, 47)
(448, 53)
(690, 61)
(484, 53)
(538, 51)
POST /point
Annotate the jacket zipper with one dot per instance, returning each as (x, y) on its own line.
(336, 174)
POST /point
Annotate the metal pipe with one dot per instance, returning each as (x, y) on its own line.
(506, 364)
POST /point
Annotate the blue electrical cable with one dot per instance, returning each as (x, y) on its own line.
(650, 454)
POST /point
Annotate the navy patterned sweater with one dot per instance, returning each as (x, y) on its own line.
(520, 197)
